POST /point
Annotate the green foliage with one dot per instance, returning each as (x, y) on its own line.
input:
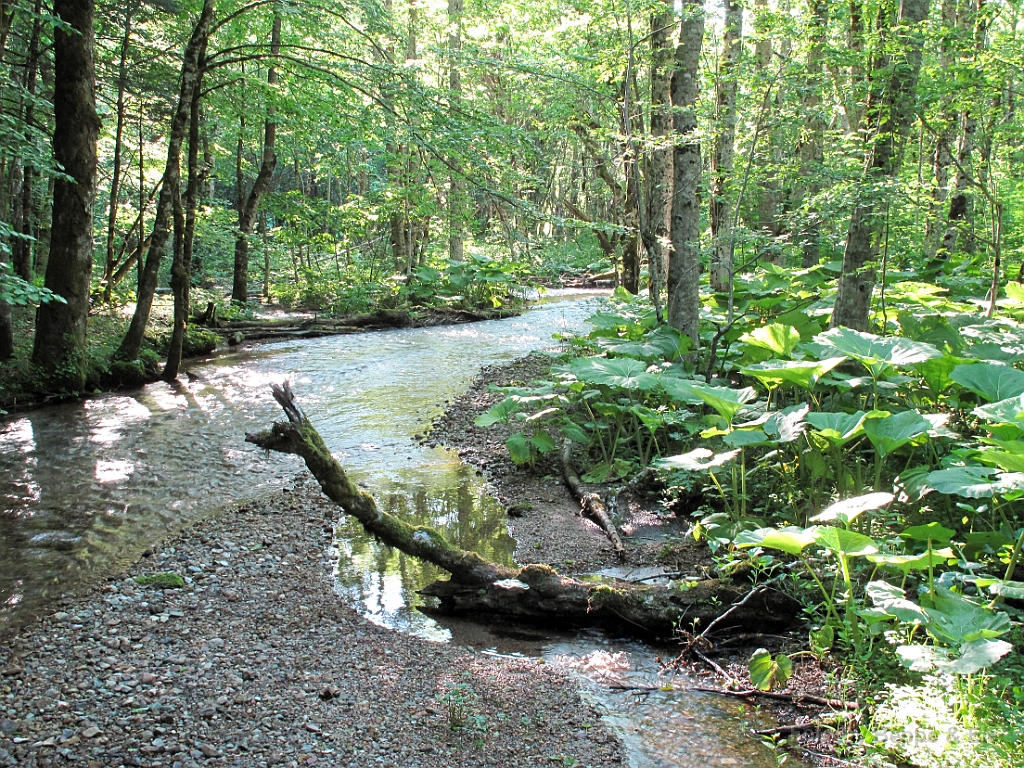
(768, 672)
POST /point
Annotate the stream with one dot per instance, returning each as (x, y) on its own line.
(88, 487)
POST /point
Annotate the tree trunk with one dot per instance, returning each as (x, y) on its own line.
(659, 168)
(115, 177)
(247, 213)
(25, 220)
(61, 327)
(170, 190)
(811, 147)
(534, 592)
(457, 186)
(181, 268)
(721, 211)
(768, 221)
(684, 260)
(890, 114)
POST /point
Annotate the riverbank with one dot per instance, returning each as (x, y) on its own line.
(255, 661)
(546, 523)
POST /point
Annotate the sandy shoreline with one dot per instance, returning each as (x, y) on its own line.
(258, 662)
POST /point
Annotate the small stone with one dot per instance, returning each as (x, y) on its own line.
(7, 727)
(209, 751)
(90, 732)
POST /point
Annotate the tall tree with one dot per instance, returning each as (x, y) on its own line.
(684, 260)
(811, 145)
(61, 326)
(726, 85)
(890, 115)
(170, 190)
(268, 162)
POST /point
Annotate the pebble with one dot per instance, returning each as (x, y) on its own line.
(215, 674)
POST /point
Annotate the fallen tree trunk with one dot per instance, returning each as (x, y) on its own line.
(534, 592)
(592, 505)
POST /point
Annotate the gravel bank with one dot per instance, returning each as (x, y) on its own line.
(257, 662)
(544, 518)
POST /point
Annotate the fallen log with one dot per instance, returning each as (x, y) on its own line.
(591, 504)
(534, 592)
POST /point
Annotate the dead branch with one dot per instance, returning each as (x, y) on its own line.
(592, 505)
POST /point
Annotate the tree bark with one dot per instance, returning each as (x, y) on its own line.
(61, 327)
(811, 147)
(181, 268)
(535, 592)
(170, 192)
(684, 259)
(721, 209)
(25, 219)
(659, 168)
(890, 113)
(457, 185)
(247, 213)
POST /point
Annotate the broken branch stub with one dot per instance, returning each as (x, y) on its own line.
(534, 592)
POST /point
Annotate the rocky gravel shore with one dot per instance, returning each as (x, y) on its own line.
(255, 661)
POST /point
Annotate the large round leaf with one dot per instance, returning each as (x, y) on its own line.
(791, 539)
(889, 433)
(776, 337)
(875, 350)
(974, 482)
(838, 427)
(842, 541)
(989, 380)
(848, 510)
(624, 372)
(802, 373)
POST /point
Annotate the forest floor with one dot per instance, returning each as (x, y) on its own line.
(548, 528)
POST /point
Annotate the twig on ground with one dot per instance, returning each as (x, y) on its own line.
(793, 698)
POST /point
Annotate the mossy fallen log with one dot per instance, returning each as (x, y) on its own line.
(535, 592)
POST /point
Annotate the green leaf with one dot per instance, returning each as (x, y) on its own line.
(519, 449)
(1011, 589)
(775, 373)
(992, 381)
(698, 460)
(935, 531)
(740, 438)
(848, 510)
(500, 412)
(890, 433)
(727, 401)
(874, 351)
(822, 640)
(787, 425)
(838, 428)
(893, 601)
(844, 542)
(776, 337)
(767, 673)
(791, 540)
(974, 482)
(624, 372)
(954, 619)
(1008, 411)
(574, 432)
(542, 442)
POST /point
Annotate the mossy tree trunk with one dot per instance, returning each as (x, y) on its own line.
(534, 592)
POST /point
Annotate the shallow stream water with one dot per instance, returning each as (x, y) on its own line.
(87, 487)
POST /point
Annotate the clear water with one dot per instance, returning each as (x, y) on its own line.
(87, 487)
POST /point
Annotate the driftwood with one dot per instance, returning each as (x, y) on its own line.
(534, 592)
(799, 699)
(592, 505)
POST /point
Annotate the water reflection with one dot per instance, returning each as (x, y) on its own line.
(87, 486)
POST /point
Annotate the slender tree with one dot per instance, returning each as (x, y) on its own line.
(170, 190)
(659, 166)
(260, 187)
(721, 212)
